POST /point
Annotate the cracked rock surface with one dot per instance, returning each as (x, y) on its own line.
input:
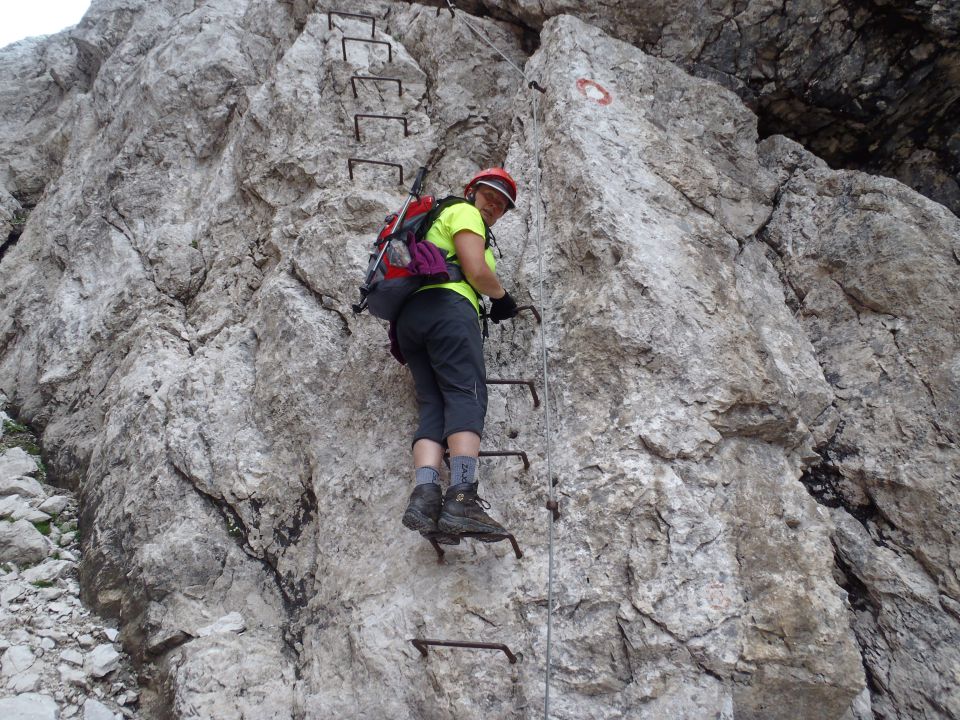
(873, 86)
(753, 363)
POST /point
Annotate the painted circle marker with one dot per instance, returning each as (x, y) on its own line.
(594, 91)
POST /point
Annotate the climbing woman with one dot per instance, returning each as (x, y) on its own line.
(438, 332)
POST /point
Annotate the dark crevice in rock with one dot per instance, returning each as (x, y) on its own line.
(862, 603)
(858, 595)
(302, 518)
(326, 301)
(827, 484)
(529, 35)
(293, 598)
(19, 222)
(824, 481)
(9, 242)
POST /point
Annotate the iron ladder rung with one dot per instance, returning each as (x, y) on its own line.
(422, 645)
(343, 45)
(508, 453)
(482, 537)
(371, 18)
(357, 116)
(353, 161)
(373, 78)
(528, 383)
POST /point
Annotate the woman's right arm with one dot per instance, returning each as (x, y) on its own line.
(471, 250)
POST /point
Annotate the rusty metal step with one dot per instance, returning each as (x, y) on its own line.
(422, 646)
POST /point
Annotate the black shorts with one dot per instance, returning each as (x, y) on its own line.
(439, 335)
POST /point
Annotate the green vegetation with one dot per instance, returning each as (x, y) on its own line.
(233, 529)
(42, 583)
(19, 435)
(43, 526)
(9, 426)
(67, 526)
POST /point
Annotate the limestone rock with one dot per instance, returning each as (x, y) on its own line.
(54, 505)
(735, 331)
(95, 710)
(205, 666)
(15, 462)
(102, 660)
(230, 623)
(49, 571)
(72, 656)
(843, 81)
(23, 486)
(29, 706)
(22, 543)
(16, 659)
(24, 682)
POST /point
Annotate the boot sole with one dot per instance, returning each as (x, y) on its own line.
(416, 520)
(460, 525)
(441, 537)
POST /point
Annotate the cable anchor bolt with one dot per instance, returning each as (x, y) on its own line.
(554, 507)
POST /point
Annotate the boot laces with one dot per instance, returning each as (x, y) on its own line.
(481, 502)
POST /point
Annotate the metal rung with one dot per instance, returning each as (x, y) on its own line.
(356, 122)
(528, 383)
(422, 645)
(482, 537)
(343, 44)
(507, 453)
(354, 78)
(352, 161)
(531, 308)
(371, 18)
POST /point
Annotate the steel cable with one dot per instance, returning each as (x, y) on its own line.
(548, 434)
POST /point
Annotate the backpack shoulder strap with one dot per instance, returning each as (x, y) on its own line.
(438, 208)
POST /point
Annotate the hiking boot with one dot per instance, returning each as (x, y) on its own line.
(422, 511)
(423, 508)
(463, 512)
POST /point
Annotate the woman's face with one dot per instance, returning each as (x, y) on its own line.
(491, 204)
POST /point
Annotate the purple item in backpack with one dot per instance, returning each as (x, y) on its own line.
(427, 260)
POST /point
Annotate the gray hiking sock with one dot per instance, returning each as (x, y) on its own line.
(427, 475)
(463, 469)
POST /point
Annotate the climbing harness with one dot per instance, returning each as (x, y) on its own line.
(551, 504)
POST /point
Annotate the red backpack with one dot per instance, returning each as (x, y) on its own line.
(402, 260)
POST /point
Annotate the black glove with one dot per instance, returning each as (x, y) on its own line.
(503, 308)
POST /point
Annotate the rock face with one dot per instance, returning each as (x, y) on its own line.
(753, 365)
(871, 86)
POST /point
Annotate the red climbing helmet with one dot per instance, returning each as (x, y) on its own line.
(497, 178)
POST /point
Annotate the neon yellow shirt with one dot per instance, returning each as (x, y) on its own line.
(461, 216)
